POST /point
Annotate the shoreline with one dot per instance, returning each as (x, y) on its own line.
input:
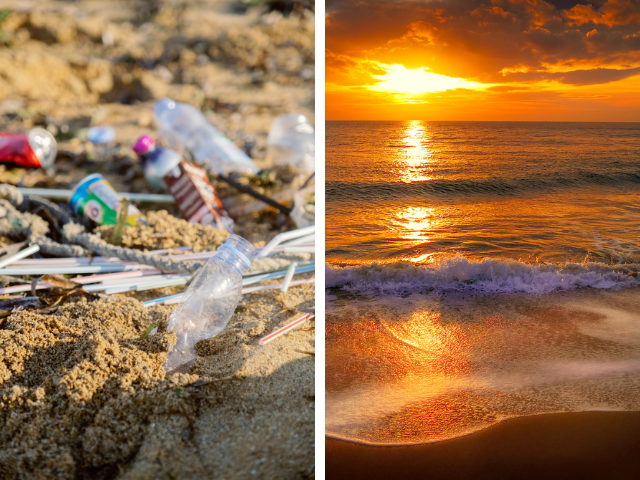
(581, 445)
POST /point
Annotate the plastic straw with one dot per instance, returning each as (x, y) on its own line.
(105, 278)
(281, 237)
(141, 286)
(285, 329)
(276, 274)
(21, 254)
(70, 269)
(173, 299)
(65, 194)
(125, 286)
(288, 277)
(92, 260)
(306, 240)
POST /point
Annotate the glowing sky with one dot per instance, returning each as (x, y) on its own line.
(483, 60)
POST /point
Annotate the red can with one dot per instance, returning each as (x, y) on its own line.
(36, 149)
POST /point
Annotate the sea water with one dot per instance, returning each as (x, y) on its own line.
(478, 271)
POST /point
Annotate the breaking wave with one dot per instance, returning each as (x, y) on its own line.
(483, 276)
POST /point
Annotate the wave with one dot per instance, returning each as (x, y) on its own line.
(340, 191)
(484, 276)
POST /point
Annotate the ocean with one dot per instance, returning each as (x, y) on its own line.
(478, 271)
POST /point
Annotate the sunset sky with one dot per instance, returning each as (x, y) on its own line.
(561, 60)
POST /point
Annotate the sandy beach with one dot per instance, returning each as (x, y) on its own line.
(590, 445)
(82, 390)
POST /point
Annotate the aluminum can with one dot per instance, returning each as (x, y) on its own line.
(95, 198)
(36, 149)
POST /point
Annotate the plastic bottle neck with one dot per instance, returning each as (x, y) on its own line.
(236, 251)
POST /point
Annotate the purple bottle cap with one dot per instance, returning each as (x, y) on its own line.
(144, 145)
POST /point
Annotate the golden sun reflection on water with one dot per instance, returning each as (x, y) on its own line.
(379, 370)
(416, 154)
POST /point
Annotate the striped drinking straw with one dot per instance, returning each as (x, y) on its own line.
(285, 329)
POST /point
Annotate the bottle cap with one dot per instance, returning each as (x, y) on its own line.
(144, 145)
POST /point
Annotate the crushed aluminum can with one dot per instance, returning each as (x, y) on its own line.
(195, 196)
(95, 198)
(36, 149)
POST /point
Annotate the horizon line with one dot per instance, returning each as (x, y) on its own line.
(483, 121)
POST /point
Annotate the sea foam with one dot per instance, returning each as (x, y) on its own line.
(483, 276)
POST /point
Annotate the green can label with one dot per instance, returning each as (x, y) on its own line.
(96, 199)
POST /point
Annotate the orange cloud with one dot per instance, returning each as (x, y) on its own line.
(612, 13)
(513, 46)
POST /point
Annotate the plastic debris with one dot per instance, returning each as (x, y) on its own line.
(292, 141)
(36, 149)
(304, 207)
(196, 198)
(209, 301)
(184, 127)
(96, 199)
(156, 161)
(285, 329)
(101, 134)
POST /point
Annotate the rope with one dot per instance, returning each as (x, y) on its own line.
(75, 233)
(35, 229)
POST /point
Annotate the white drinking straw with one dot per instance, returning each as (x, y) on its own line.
(306, 240)
(70, 269)
(64, 194)
(287, 278)
(173, 299)
(150, 285)
(285, 329)
(21, 254)
(281, 237)
(105, 278)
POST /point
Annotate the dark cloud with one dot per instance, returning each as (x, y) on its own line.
(485, 40)
(593, 76)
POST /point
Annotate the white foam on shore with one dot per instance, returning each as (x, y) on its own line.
(484, 276)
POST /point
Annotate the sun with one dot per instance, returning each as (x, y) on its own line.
(402, 80)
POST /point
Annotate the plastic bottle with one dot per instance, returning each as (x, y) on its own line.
(185, 127)
(157, 161)
(304, 207)
(292, 141)
(209, 301)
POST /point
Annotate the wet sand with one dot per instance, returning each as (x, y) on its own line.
(584, 445)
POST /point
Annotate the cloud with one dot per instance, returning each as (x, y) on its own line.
(612, 13)
(480, 39)
(595, 76)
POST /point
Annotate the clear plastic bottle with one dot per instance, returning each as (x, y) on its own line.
(185, 127)
(209, 301)
(157, 161)
(292, 141)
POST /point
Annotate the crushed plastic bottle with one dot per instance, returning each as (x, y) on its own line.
(157, 161)
(184, 127)
(292, 141)
(209, 301)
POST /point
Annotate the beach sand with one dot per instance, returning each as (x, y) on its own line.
(583, 445)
